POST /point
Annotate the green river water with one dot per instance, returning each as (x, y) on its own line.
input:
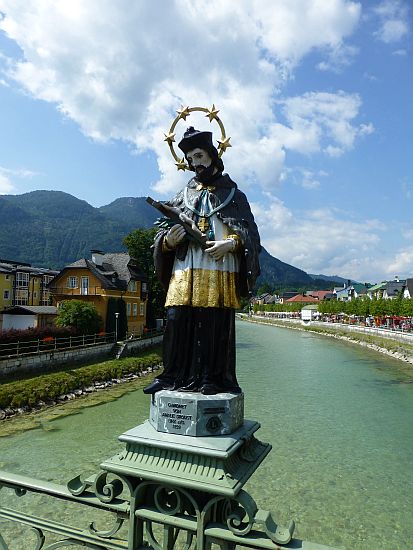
(339, 417)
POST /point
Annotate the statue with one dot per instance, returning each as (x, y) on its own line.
(204, 277)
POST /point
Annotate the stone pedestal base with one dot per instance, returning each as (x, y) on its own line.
(219, 465)
(194, 414)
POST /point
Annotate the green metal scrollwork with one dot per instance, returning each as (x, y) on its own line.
(106, 490)
(108, 533)
(40, 539)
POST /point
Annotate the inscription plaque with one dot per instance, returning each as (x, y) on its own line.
(187, 413)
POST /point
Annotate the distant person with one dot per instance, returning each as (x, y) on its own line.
(204, 286)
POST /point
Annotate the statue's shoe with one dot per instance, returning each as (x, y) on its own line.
(157, 385)
(192, 386)
(210, 389)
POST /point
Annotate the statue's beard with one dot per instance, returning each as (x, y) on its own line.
(204, 173)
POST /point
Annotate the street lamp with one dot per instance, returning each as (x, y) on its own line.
(116, 326)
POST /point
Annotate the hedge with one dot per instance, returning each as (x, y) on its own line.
(48, 386)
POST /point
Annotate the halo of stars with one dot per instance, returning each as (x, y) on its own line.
(182, 114)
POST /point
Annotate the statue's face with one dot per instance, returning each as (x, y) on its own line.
(199, 159)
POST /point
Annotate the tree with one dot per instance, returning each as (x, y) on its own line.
(120, 326)
(80, 315)
(139, 244)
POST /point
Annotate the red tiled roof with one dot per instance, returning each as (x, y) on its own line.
(301, 298)
(320, 294)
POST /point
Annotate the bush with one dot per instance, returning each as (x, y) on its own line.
(29, 391)
(80, 315)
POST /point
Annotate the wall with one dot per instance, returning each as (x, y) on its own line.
(49, 359)
(20, 322)
(6, 284)
(129, 347)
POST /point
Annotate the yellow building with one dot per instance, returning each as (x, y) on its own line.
(111, 282)
(24, 285)
(6, 285)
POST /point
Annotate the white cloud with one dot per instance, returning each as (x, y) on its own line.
(8, 175)
(322, 121)
(393, 20)
(6, 186)
(340, 57)
(321, 241)
(401, 264)
(119, 69)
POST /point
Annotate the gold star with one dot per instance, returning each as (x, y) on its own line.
(181, 164)
(183, 113)
(224, 144)
(212, 113)
(169, 138)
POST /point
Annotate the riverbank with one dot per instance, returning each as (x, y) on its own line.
(398, 350)
(51, 392)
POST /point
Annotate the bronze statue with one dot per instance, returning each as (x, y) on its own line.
(205, 278)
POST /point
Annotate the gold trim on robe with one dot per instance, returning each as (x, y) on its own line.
(200, 281)
(203, 288)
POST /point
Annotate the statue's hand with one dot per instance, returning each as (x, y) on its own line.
(186, 219)
(174, 236)
(218, 249)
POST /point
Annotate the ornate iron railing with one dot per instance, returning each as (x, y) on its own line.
(165, 491)
(159, 516)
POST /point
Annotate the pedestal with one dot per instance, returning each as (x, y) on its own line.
(194, 414)
(219, 465)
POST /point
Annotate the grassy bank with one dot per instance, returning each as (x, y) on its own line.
(399, 350)
(29, 390)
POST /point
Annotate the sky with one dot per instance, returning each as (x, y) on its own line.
(316, 96)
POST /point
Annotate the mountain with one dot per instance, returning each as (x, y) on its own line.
(131, 210)
(279, 274)
(53, 229)
(331, 278)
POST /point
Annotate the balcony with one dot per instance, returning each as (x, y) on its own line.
(65, 291)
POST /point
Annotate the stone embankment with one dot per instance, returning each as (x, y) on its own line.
(389, 345)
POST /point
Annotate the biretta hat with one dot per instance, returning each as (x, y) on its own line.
(194, 138)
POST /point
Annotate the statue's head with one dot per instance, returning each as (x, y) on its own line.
(200, 153)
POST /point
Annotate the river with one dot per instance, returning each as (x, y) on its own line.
(339, 417)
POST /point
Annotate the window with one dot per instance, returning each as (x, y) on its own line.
(135, 310)
(144, 287)
(72, 282)
(142, 309)
(21, 297)
(6, 295)
(46, 280)
(22, 279)
(132, 286)
(128, 309)
(7, 277)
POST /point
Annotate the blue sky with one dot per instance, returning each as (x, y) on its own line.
(315, 95)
